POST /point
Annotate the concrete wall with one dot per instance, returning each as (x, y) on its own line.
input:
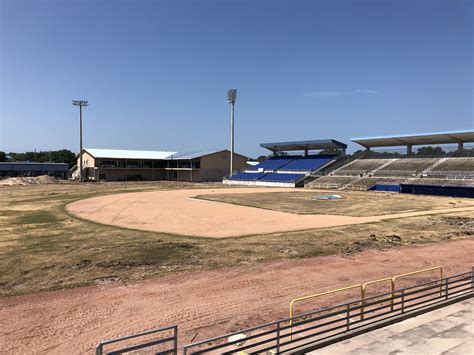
(259, 183)
(88, 161)
(215, 167)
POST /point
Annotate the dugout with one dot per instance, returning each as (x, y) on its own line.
(437, 190)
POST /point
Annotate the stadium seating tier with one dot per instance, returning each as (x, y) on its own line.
(308, 163)
(408, 166)
(279, 177)
(247, 176)
(273, 163)
(364, 173)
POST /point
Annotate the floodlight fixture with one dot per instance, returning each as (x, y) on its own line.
(81, 104)
(231, 96)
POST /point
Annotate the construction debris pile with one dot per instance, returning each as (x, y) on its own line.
(29, 180)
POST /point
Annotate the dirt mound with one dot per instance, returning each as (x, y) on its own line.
(28, 180)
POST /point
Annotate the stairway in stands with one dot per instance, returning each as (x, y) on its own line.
(350, 185)
(383, 166)
(442, 160)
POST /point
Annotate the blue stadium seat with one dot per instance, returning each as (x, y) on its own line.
(274, 163)
(275, 177)
(308, 163)
(247, 176)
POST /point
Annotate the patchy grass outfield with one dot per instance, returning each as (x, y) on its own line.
(42, 247)
(356, 204)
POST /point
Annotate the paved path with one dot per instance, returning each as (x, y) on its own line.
(449, 330)
(177, 212)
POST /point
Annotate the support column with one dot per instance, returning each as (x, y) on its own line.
(409, 149)
(460, 146)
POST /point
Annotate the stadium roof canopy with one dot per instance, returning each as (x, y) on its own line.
(452, 137)
(128, 154)
(148, 154)
(304, 145)
(193, 154)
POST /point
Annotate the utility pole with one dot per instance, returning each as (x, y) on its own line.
(80, 103)
(231, 97)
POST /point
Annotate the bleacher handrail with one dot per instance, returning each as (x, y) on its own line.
(363, 287)
(322, 323)
(317, 295)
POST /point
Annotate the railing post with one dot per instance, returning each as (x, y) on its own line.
(447, 289)
(175, 340)
(348, 320)
(98, 349)
(392, 288)
(472, 280)
(278, 338)
(441, 282)
(403, 301)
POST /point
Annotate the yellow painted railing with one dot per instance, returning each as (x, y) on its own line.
(392, 285)
(300, 299)
(362, 288)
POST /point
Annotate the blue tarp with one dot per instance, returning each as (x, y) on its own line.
(382, 187)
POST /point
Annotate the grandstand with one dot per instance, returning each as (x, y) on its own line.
(290, 170)
(364, 173)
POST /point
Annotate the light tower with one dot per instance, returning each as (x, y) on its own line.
(80, 103)
(231, 97)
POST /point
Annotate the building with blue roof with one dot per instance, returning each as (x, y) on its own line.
(27, 168)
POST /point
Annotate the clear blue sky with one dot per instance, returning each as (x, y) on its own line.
(156, 72)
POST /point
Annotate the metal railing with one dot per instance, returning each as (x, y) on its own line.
(449, 173)
(317, 295)
(126, 347)
(315, 329)
(350, 172)
(318, 328)
(395, 173)
(325, 186)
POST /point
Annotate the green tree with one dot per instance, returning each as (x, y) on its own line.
(2, 156)
(330, 151)
(55, 156)
(429, 150)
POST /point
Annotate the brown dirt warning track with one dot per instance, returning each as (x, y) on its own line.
(178, 212)
(202, 304)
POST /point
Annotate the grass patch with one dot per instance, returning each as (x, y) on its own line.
(43, 248)
(35, 217)
(159, 253)
(356, 204)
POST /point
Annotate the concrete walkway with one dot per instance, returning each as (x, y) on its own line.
(449, 330)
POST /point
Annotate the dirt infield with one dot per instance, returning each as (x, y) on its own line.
(202, 304)
(178, 212)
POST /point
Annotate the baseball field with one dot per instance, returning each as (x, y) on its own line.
(83, 262)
